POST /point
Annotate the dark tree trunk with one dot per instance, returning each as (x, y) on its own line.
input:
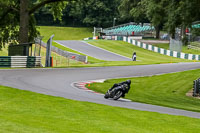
(157, 32)
(172, 33)
(24, 21)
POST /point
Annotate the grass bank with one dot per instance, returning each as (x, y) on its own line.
(165, 90)
(143, 55)
(24, 111)
(184, 48)
(65, 33)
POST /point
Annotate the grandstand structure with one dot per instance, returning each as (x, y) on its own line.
(129, 29)
(196, 25)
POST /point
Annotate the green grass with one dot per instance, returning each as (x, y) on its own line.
(184, 48)
(65, 33)
(143, 56)
(4, 51)
(24, 111)
(162, 45)
(165, 90)
(58, 60)
(90, 59)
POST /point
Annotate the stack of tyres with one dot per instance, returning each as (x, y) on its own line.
(196, 86)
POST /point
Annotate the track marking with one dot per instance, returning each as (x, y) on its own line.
(107, 50)
(95, 47)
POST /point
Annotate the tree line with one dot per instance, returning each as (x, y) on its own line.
(18, 18)
(163, 14)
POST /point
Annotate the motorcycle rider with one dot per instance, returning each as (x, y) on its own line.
(126, 86)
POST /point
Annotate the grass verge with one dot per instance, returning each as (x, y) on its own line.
(165, 90)
(24, 111)
(143, 55)
(184, 48)
(65, 33)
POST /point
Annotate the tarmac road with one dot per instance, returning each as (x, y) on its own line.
(59, 82)
(93, 51)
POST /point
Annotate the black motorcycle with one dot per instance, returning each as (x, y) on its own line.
(118, 90)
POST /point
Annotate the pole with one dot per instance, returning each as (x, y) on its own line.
(114, 22)
(94, 31)
(35, 50)
(48, 51)
(40, 46)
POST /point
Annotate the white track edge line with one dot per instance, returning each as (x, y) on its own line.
(78, 51)
(105, 50)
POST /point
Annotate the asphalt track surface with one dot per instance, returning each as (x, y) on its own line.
(93, 51)
(59, 82)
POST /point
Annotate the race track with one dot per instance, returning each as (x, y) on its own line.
(93, 51)
(59, 82)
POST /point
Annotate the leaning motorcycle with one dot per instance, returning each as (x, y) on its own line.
(117, 92)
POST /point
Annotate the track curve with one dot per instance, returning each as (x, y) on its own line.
(93, 51)
(58, 82)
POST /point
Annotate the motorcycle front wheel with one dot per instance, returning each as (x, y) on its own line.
(106, 96)
(118, 94)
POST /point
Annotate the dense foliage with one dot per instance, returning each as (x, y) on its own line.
(162, 13)
(99, 13)
(18, 24)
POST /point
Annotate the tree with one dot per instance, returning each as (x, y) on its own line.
(155, 11)
(125, 8)
(181, 13)
(95, 12)
(17, 20)
(144, 11)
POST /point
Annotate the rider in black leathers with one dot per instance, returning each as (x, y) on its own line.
(127, 82)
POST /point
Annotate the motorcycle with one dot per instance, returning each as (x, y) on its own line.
(118, 90)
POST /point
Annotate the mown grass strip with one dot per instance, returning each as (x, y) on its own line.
(24, 111)
(65, 33)
(165, 90)
(143, 55)
(184, 48)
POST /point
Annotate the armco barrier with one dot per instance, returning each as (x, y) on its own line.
(66, 54)
(20, 61)
(154, 48)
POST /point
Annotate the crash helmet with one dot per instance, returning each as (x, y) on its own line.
(128, 82)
